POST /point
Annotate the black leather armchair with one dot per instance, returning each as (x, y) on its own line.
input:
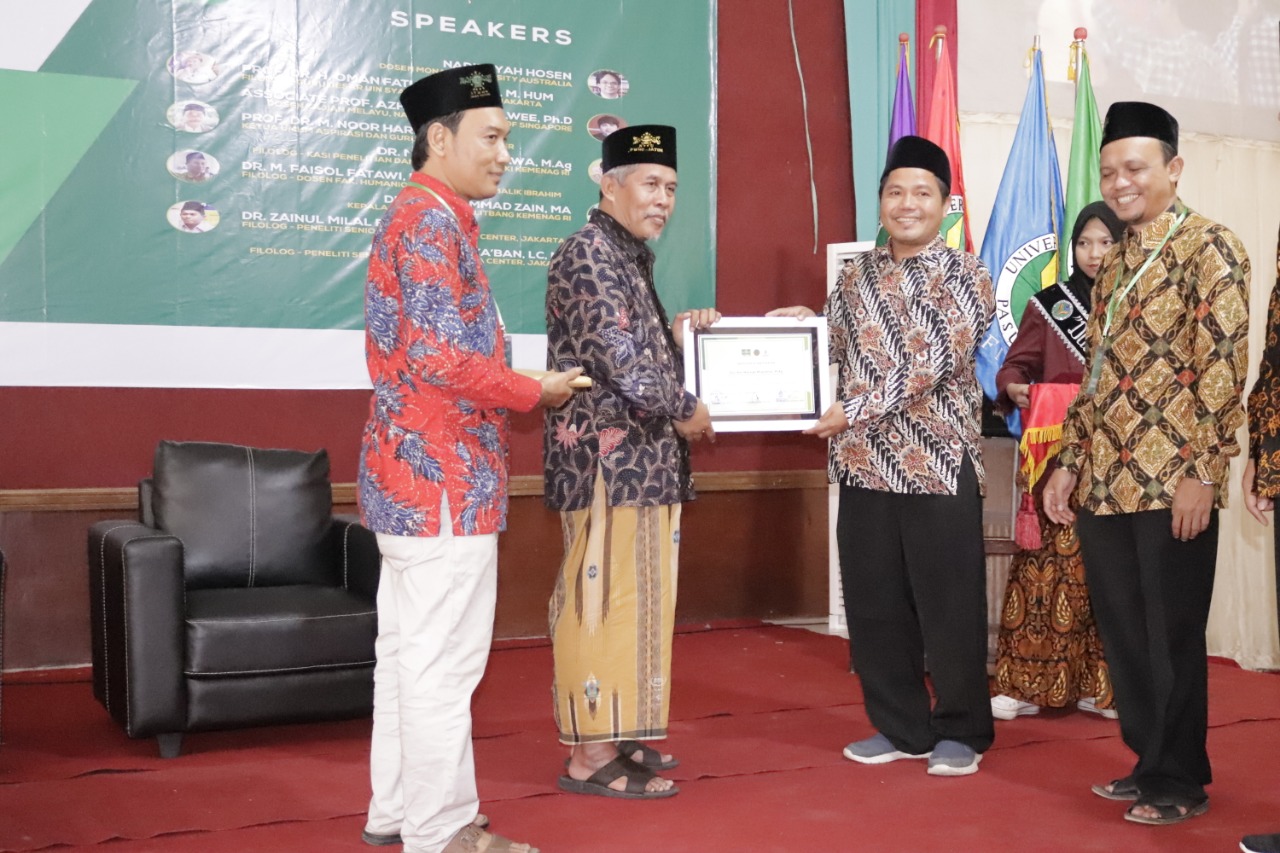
(236, 600)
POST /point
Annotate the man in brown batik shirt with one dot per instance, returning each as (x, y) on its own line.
(1146, 446)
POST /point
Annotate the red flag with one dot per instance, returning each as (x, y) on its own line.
(931, 15)
(944, 129)
(1042, 427)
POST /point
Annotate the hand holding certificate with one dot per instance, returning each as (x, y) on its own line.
(576, 382)
(760, 374)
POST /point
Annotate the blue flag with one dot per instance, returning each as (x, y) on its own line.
(1021, 243)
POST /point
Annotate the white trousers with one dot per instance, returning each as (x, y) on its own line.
(436, 601)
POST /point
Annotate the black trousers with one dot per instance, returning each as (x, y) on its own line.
(1150, 595)
(1275, 529)
(914, 578)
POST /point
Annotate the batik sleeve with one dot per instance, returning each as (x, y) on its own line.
(444, 349)
(592, 300)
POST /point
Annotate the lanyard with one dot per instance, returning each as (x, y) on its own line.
(1117, 297)
(445, 204)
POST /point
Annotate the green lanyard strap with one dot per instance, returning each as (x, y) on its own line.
(447, 209)
(1118, 296)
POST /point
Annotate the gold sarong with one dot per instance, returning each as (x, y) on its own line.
(611, 618)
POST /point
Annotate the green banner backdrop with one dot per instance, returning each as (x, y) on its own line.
(222, 163)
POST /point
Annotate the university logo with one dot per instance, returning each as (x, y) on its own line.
(646, 142)
(478, 83)
(1031, 267)
(952, 229)
(1062, 309)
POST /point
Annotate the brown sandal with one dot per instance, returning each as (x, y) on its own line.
(467, 840)
(649, 757)
(637, 777)
(387, 839)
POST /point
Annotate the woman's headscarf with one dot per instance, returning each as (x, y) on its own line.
(1081, 285)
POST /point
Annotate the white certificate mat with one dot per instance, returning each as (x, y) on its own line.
(760, 374)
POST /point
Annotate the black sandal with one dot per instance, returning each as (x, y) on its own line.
(1117, 789)
(1170, 810)
(636, 775)
(649, 757)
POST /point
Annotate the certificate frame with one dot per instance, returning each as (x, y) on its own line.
(802, 378)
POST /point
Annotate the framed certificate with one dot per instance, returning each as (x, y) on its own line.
(760, 374)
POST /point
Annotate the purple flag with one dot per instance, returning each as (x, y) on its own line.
(903, 122)
(904, 110)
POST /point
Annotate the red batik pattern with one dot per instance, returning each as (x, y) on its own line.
(441, 386)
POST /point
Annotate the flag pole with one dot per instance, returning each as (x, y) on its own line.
(943, 128)
(1086, 136)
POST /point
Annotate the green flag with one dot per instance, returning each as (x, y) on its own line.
(1082, 170)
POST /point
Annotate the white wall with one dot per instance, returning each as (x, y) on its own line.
(1216, 66)
(1231, 145)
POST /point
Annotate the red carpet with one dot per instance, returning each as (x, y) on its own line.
(760, 715)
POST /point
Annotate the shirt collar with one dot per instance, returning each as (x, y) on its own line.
(1136, 246)
(620, 236)
(936, 247)
(460, 206)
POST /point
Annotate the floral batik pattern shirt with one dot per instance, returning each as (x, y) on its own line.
(604, 315)
(1169, 384)
(441, 387)
(905, 335)
(1264, 403)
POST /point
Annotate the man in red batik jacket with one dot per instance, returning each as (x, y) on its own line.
(433, 466)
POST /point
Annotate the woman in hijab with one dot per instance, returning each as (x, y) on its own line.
(1049, 653)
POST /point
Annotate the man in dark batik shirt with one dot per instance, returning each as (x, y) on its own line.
(1262, 471)
(617, 469)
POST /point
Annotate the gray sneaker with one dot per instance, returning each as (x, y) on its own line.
(952, 758)
(876, 749)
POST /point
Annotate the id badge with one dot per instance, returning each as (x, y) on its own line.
(1095, 372)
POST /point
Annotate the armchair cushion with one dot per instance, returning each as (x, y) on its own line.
(247, 517)
(238, 631)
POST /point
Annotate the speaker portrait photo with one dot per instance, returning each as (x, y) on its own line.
(192, 116)
(194, 67)
(193, 217)
(600, 126)
(608, 84)
(194, 167)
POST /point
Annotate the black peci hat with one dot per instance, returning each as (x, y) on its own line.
(639, 143)
(1138, 118)
(450, 91)
(916, 152)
